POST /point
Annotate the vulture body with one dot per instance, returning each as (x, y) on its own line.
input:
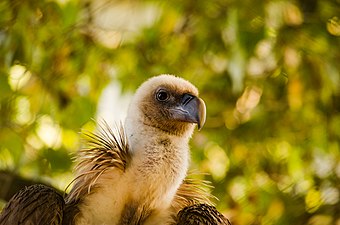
(132, 175)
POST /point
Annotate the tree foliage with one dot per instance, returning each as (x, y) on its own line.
(268, 71)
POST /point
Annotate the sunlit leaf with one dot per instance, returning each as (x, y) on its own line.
(313, 200)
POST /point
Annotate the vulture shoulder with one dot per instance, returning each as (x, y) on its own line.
(199, 214)
(34, 205)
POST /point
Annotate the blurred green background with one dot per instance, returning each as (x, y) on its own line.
(267, 70)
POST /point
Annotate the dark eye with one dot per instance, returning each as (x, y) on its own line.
(162, 96)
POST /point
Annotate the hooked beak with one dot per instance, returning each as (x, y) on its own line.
(191, 109)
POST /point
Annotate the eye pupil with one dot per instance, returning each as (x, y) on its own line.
(162, 96)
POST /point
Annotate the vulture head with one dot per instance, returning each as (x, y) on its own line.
(167, 103)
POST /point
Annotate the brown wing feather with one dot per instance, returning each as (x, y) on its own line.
(36, 204)
(201, 214)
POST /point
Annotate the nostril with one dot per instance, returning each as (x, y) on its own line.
(186, 99)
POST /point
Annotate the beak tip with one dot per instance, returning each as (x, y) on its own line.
(202, 114)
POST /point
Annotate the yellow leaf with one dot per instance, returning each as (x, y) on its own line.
(313, 200)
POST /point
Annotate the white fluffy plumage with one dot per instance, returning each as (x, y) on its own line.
(136, 178)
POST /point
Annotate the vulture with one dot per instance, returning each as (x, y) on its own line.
(133, 174)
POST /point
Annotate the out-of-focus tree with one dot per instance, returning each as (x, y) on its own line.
(268, 71)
